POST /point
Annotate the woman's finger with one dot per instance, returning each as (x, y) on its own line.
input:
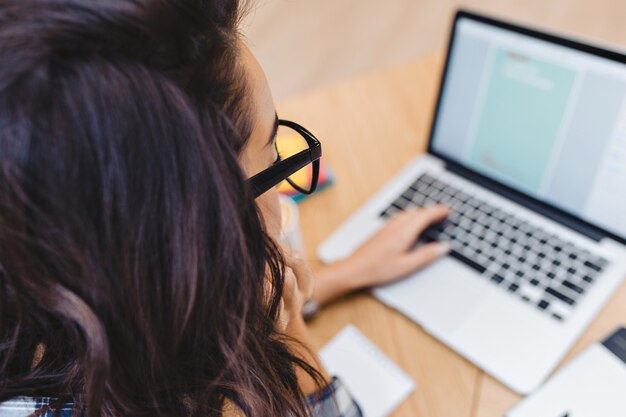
(302, 272)
(420, 219)
(421, 257)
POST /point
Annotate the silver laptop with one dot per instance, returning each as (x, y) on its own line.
(528, 146)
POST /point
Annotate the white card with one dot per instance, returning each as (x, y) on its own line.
(377, 384)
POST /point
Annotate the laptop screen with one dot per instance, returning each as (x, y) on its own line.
(547, 120)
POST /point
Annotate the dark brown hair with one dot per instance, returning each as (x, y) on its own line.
(133, 263)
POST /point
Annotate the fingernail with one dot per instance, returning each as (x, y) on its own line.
(442, 248)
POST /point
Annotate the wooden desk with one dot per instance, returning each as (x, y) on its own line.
(370, 127)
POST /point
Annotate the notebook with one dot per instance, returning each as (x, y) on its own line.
(376, 382)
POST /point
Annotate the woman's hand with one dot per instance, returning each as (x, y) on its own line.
(389, 255)
(298, 288)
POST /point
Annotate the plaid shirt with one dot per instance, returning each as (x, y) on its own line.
(25, 406)
(333, 401)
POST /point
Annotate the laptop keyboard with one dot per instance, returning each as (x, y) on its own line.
(538, 267)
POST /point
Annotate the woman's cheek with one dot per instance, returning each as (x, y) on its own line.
(269, 205)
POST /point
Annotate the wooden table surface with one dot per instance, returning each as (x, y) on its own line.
(370, 127)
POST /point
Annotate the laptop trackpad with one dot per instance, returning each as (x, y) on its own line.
(438, 297)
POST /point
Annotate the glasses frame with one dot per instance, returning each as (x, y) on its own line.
(284, 168)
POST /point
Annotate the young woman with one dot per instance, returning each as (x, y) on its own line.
(386, 257)
(139, 274)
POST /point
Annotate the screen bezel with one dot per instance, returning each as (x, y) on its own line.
(564, 217)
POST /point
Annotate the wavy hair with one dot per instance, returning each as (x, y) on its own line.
(133, 263)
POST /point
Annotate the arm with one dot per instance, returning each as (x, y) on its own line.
(332, 399)
(387, 256)
(298, 288)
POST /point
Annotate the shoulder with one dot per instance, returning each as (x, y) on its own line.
(25, 406)
(334, 401)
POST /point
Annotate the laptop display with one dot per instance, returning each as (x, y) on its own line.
(545, 119)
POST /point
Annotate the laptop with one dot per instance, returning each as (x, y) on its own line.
(528, 148)
(592, 384)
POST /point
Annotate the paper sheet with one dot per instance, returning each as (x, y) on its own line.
(377, 384)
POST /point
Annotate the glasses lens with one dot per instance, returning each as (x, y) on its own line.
(288, 143)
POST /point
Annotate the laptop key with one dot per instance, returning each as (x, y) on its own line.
(427, 179)
(573, 287)
(567, 300)
(467, 261)
(497, 278)
(588, 278)
(593, 266)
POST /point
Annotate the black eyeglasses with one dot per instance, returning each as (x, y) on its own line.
(299, 155)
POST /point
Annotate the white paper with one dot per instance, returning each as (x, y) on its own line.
(377, 384)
